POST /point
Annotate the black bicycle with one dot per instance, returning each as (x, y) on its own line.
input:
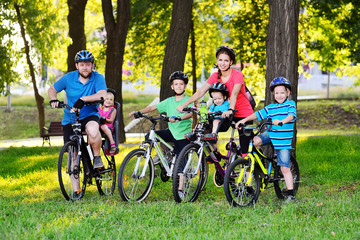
(75, 168)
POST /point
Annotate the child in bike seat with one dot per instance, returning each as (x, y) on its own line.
(177, 128)
(219, 93)
(280, 135)
(107, 113)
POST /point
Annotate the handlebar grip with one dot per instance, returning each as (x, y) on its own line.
(61, 104)
(187, 109)
(138, 114)
(280, 124)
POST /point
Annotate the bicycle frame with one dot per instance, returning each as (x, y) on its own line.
(155, 143)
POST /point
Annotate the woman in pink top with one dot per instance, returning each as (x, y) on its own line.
(234, 81)
(107, 113)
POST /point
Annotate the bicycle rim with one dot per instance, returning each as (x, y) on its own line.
(106, 182)
(133, 187)
(186, 175)
(236, 191)
(71, 175)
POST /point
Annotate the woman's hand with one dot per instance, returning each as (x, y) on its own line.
(227, 113)
(180, 108)
(240, 124)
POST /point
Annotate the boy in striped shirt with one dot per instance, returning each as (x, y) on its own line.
(282, 111)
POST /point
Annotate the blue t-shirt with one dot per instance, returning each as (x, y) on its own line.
(74, 89)
(281, 136)
(222, 108)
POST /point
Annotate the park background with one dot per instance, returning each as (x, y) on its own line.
(139, 43)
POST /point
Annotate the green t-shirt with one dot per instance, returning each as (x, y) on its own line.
(177, 129)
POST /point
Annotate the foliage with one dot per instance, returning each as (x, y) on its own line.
(31, 205)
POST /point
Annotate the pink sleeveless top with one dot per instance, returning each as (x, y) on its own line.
(107, 115)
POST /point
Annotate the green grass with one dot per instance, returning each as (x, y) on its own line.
(32, 207)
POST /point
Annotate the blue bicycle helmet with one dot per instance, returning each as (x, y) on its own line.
(219, 87)
(179, 75)
(84, 56)
(228, 50)
(280, 81)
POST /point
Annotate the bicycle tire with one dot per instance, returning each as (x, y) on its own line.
(106, 183)
(205, 178)
(279, 182)
(67, 177)
(239, 195)
(130, 186)
(193, 182)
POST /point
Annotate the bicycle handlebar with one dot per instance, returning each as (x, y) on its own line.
(162, 117)
(260, 126)
(210, 115)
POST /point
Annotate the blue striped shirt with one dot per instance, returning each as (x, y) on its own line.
(281, 136)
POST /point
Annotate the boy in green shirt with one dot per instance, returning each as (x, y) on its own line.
(177, 128)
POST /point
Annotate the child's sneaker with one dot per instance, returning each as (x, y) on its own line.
(156, 159)
(98, 162)
(290, 198)
(211, 137)
(181, 194)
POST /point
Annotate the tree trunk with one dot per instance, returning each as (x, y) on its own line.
(282, 46)
(76, 21)
(116, 37)
(193, 61)
(39, 99)
(176, 46)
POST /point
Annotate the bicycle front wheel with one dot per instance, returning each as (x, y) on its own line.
(187, 180)
(71, 173)
(106, 182)
(236, 191)
(132, 186)
(279, 182)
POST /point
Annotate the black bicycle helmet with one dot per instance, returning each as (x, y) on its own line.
(179, 75)
(280, 81)
(219, 87)
(84, 56)
(228, 50)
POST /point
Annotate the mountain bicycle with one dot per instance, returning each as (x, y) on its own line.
(191, 165)
(75, 165)
(247, 177)
(136, 173)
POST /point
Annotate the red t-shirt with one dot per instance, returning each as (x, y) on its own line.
(242, 105)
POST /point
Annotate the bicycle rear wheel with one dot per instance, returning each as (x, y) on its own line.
(185, 174)
(131, 186)
(236, 191)
(107, 181)
(279, 182)
(72, 176)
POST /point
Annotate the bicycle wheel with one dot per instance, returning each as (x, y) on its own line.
(184, 174)
(107, 181)
(133, 187)
(205, 178)
(279, 182)
(236, 192)
(72, 176)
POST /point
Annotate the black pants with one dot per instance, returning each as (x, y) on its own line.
(68, 130)
(168, 137)
(243, 139)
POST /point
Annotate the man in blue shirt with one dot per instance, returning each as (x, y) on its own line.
(280, 135)
(82, 85)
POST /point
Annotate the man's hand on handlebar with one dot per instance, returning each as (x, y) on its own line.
(54, 103)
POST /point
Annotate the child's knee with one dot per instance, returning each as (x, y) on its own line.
(257, 142)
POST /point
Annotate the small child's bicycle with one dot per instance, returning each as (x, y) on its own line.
(75, 168)
(136, 173)
(247, 177)
(191, 169)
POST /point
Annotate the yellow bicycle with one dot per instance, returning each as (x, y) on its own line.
(246, 177)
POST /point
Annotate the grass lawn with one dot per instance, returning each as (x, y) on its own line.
(32, 207)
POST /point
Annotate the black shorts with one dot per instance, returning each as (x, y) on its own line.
(68, 130)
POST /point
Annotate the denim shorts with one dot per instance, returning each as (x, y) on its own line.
(283, 155)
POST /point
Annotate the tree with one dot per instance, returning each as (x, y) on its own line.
(116, 30)
(282, 46)
(35, 19)
(76, 30)
(176, 46)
